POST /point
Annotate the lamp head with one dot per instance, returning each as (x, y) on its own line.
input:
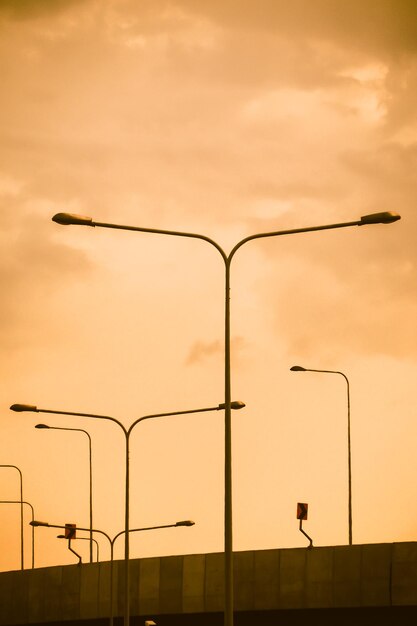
(38, 523)
(70, 218)
(42, 426)
(61, 537)
(235, 405)
(387, 217)
(297, 368)
(20, 408)
(186, 522)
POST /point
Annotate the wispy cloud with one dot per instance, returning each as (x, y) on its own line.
(201, 350)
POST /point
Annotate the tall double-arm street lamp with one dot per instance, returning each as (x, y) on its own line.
(112, 542)
(81, 430)
(299, 368)
(127, 432)
(22, 562)
(375, 218)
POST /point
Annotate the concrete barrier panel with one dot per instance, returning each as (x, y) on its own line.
(292, 578)
(347, 576)
(149, 585)
(319, 577)
(193, 583)
(244, 581)
(376, 575)
(214, 591)
(266, 585)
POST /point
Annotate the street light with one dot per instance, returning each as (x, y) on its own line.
(80, 430)
(386, 217)
(31, 408)
(299, 368)
(84, 539)
(22, 564)
(112, 542)
(33, 516)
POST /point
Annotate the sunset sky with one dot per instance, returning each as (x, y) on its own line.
(225, 118)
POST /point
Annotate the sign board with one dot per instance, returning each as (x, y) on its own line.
(70, 531)
(302, 510)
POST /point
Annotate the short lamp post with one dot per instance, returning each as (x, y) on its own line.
(22, 561)
(66, 219)
(80, 430)
(85, 539)
(33, 517)
(299, 368)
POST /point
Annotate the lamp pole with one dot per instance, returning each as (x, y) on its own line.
(22, 563)
(33, 517)
(299, 368)
(81, 430)
(374, 218)
(127, 432)
(112, 542)
(84, 539)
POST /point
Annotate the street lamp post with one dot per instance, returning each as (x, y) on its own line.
(112, 542)
(127, 432)
(81, 430)
(33, 517)
(22, 562)
(84, 539)
(374, 218)
(299, 368)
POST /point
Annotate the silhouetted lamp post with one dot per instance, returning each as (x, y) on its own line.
(33, 517)
(299, 368)
(22, 562)
(81, 430)
(127, 432)
(112, 542)
(84, 539)
(374, 218)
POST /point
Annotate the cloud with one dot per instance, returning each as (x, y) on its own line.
(347, 293)
(120, 113)
(34, 270)
(201, 350)
(377, 26)
(210, 113)
(30, 9)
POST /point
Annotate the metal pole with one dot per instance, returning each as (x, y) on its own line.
(22, 564)
(299, 368)
(228, 512)
(33, 517)
(111, 581)
(127, 568)
(349, 463)
(21, 518)
(91, 497)
(80, 430)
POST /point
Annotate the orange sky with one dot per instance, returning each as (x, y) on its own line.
(226, 119)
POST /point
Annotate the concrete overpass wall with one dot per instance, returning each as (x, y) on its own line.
(372, 575)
